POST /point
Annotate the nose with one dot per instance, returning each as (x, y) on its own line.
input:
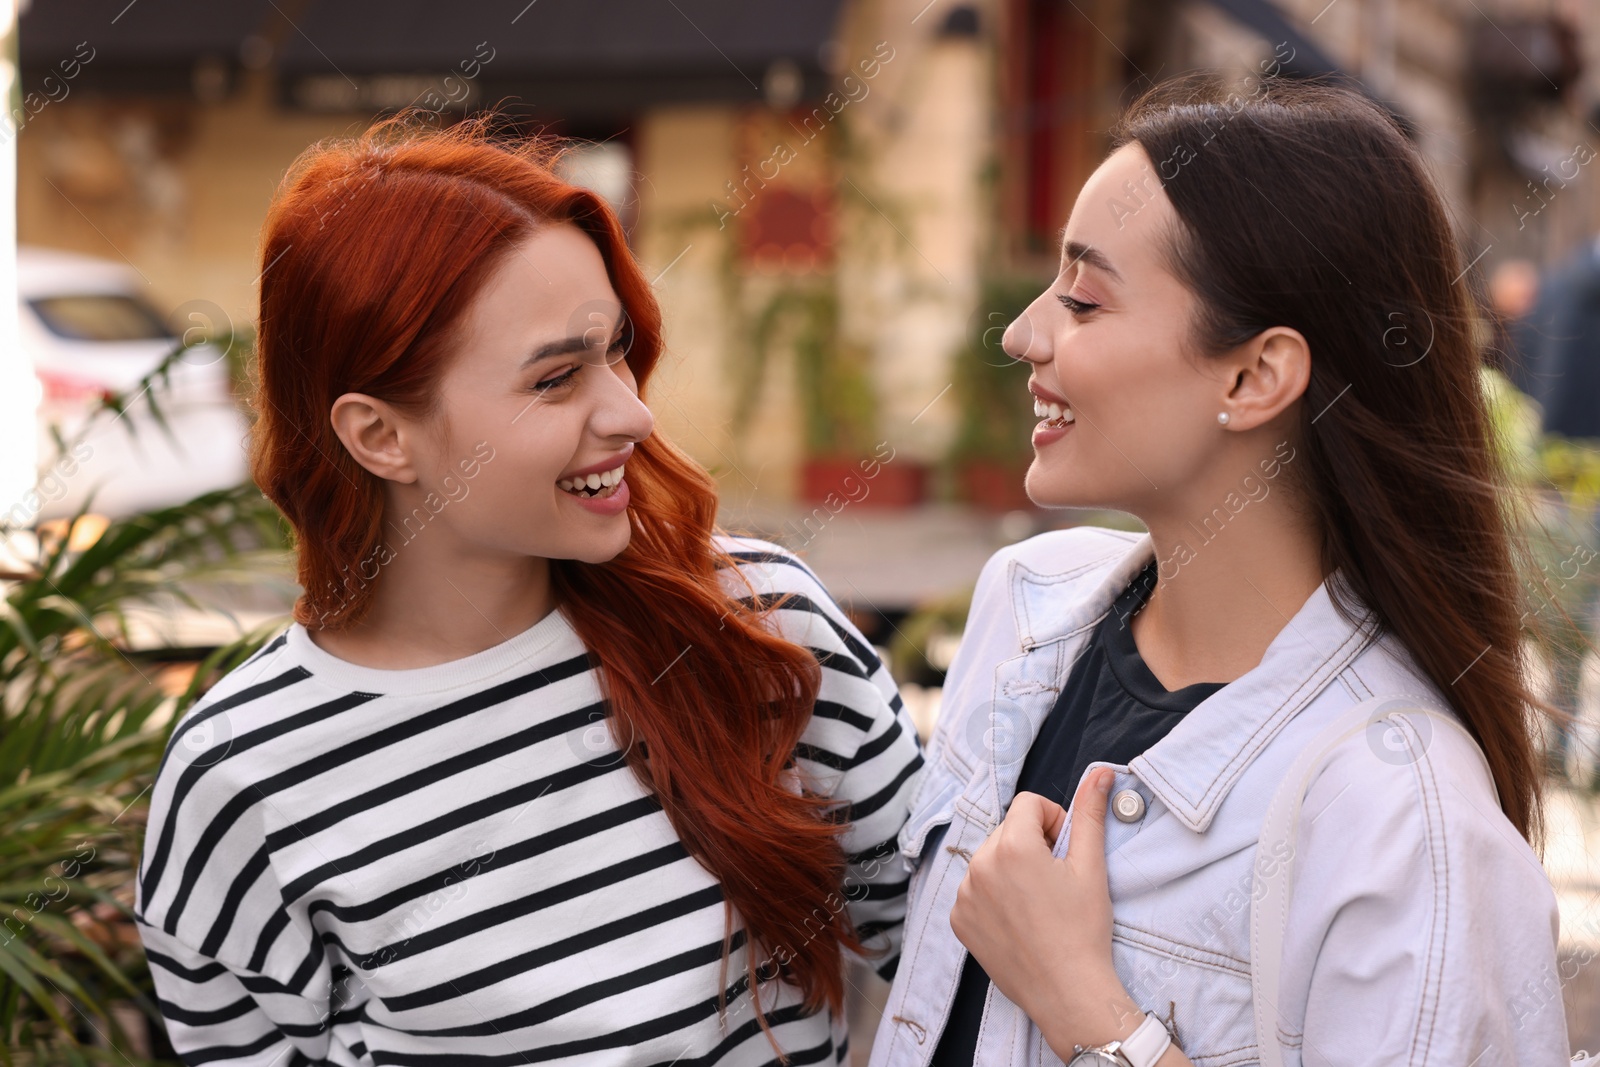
(620, 413)
(1023, 340)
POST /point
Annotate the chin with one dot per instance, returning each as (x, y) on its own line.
(607, 546)
(1046, 494)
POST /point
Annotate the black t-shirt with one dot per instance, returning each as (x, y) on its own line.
(1111, 708)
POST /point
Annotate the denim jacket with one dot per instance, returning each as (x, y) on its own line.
(1422, 928)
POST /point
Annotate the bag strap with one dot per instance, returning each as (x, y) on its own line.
(1271, 883)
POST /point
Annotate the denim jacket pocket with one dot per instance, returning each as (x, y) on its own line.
(1205, 993)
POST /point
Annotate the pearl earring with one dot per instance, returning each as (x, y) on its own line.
(1222, 418)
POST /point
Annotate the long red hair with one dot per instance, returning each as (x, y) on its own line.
(372, 250)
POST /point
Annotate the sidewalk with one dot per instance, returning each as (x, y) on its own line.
(886, 559)
(1572, 859)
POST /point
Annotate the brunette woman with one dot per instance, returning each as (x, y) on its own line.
(547, 769)
(1260, 345)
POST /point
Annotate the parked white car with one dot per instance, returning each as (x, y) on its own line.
(88, 328)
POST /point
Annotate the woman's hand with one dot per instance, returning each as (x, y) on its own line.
(1041, 926)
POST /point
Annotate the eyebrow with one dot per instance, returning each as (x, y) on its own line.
(568, 345)
(1077, 250)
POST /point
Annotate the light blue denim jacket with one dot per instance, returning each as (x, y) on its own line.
(1422, 929)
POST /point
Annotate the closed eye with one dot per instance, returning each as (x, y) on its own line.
(559, 381)
(617, 350)
(1077, 307)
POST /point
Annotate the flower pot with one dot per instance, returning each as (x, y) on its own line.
(895, 483)
(995, 485)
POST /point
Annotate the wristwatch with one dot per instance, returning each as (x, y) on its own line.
(1142, 1048)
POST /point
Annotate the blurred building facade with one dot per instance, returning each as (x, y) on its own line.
(832, 195)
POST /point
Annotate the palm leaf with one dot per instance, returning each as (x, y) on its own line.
(83, 724)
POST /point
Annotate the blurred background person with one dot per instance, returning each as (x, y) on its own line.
(1566, 338)
(1513, 292)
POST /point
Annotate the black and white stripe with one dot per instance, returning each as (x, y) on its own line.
(453, 865)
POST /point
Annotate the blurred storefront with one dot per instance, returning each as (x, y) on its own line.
(841, 200)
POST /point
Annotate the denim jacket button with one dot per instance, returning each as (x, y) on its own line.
(1128, 805)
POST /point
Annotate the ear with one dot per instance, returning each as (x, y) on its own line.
(1269, 373)
(375, 436)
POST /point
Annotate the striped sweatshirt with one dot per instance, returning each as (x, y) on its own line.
(454, 864)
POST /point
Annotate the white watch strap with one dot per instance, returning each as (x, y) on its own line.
(1147, 1044)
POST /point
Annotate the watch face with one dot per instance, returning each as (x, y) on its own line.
(1095, 1058)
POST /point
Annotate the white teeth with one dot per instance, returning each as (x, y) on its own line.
(1054, 412)
(603, 480)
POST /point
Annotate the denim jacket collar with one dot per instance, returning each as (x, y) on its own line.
(1195, 765)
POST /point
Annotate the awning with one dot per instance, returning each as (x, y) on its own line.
(146, 46)
(575, 58)
(1306, 58)
(569, 58)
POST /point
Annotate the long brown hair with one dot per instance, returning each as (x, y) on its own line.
(372, 250)
(1304, 205)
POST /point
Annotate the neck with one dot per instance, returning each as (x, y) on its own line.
(436, 600)
(1225, 589)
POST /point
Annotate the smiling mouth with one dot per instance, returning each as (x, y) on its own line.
(1055, 415)
(594, 486)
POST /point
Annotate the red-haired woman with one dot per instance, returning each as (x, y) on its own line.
(547, 768)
